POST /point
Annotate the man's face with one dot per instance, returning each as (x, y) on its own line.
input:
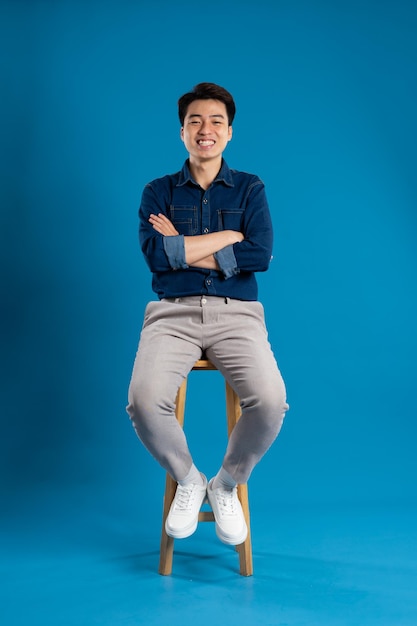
(206, 129)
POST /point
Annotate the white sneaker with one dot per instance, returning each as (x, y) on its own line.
(182, 518)
(230, 522)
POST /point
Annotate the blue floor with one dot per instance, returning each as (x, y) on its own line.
(343, 566)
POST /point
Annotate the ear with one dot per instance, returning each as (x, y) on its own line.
(230, 133)
(182, 133)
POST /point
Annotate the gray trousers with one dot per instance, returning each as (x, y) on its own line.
(233, 336)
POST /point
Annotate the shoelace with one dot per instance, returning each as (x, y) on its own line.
(226, 501)
(184, 497)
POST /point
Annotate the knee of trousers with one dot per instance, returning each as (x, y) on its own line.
(269, 404)
(146, 401)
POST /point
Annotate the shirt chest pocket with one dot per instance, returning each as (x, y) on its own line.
(230, 219)
(184, 219)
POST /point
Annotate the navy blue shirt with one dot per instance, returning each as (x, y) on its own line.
(234, 201)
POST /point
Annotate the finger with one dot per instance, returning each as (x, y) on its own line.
(162, 224)
(163, 218)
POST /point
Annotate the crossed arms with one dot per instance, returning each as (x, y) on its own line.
(199, 249)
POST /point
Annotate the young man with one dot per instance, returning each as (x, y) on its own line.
(204, 232)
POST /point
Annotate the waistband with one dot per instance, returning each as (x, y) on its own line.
(201, 300)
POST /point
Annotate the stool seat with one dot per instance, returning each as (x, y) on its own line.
(204, 364)
(233, 412)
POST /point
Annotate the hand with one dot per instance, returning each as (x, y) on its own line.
(163, 225)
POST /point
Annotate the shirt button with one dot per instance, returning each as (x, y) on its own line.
(205, 231)
(209, 281)
(203, 301)
(205, 201)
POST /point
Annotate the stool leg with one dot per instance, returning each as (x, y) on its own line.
(167, 543)
(245, 548)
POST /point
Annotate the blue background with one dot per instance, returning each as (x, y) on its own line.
(326, 115)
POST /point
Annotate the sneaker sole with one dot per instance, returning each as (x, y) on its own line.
(232, 541)
(181, 534)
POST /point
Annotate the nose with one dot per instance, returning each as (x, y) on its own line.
(204, 129)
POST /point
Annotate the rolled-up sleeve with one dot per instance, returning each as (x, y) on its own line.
(226, 261)
(175, 251)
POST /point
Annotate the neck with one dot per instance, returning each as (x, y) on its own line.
(205, 172)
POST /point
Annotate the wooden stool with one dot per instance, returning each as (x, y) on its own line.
(167, 543)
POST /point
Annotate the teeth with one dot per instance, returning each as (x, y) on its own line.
(206, 143)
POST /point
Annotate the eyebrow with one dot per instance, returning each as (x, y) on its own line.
(215, 115)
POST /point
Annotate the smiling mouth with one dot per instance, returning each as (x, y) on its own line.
(205, 142)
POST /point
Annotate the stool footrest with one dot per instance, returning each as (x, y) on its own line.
(206, 516)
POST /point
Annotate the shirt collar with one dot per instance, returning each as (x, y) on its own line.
(224, 175)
